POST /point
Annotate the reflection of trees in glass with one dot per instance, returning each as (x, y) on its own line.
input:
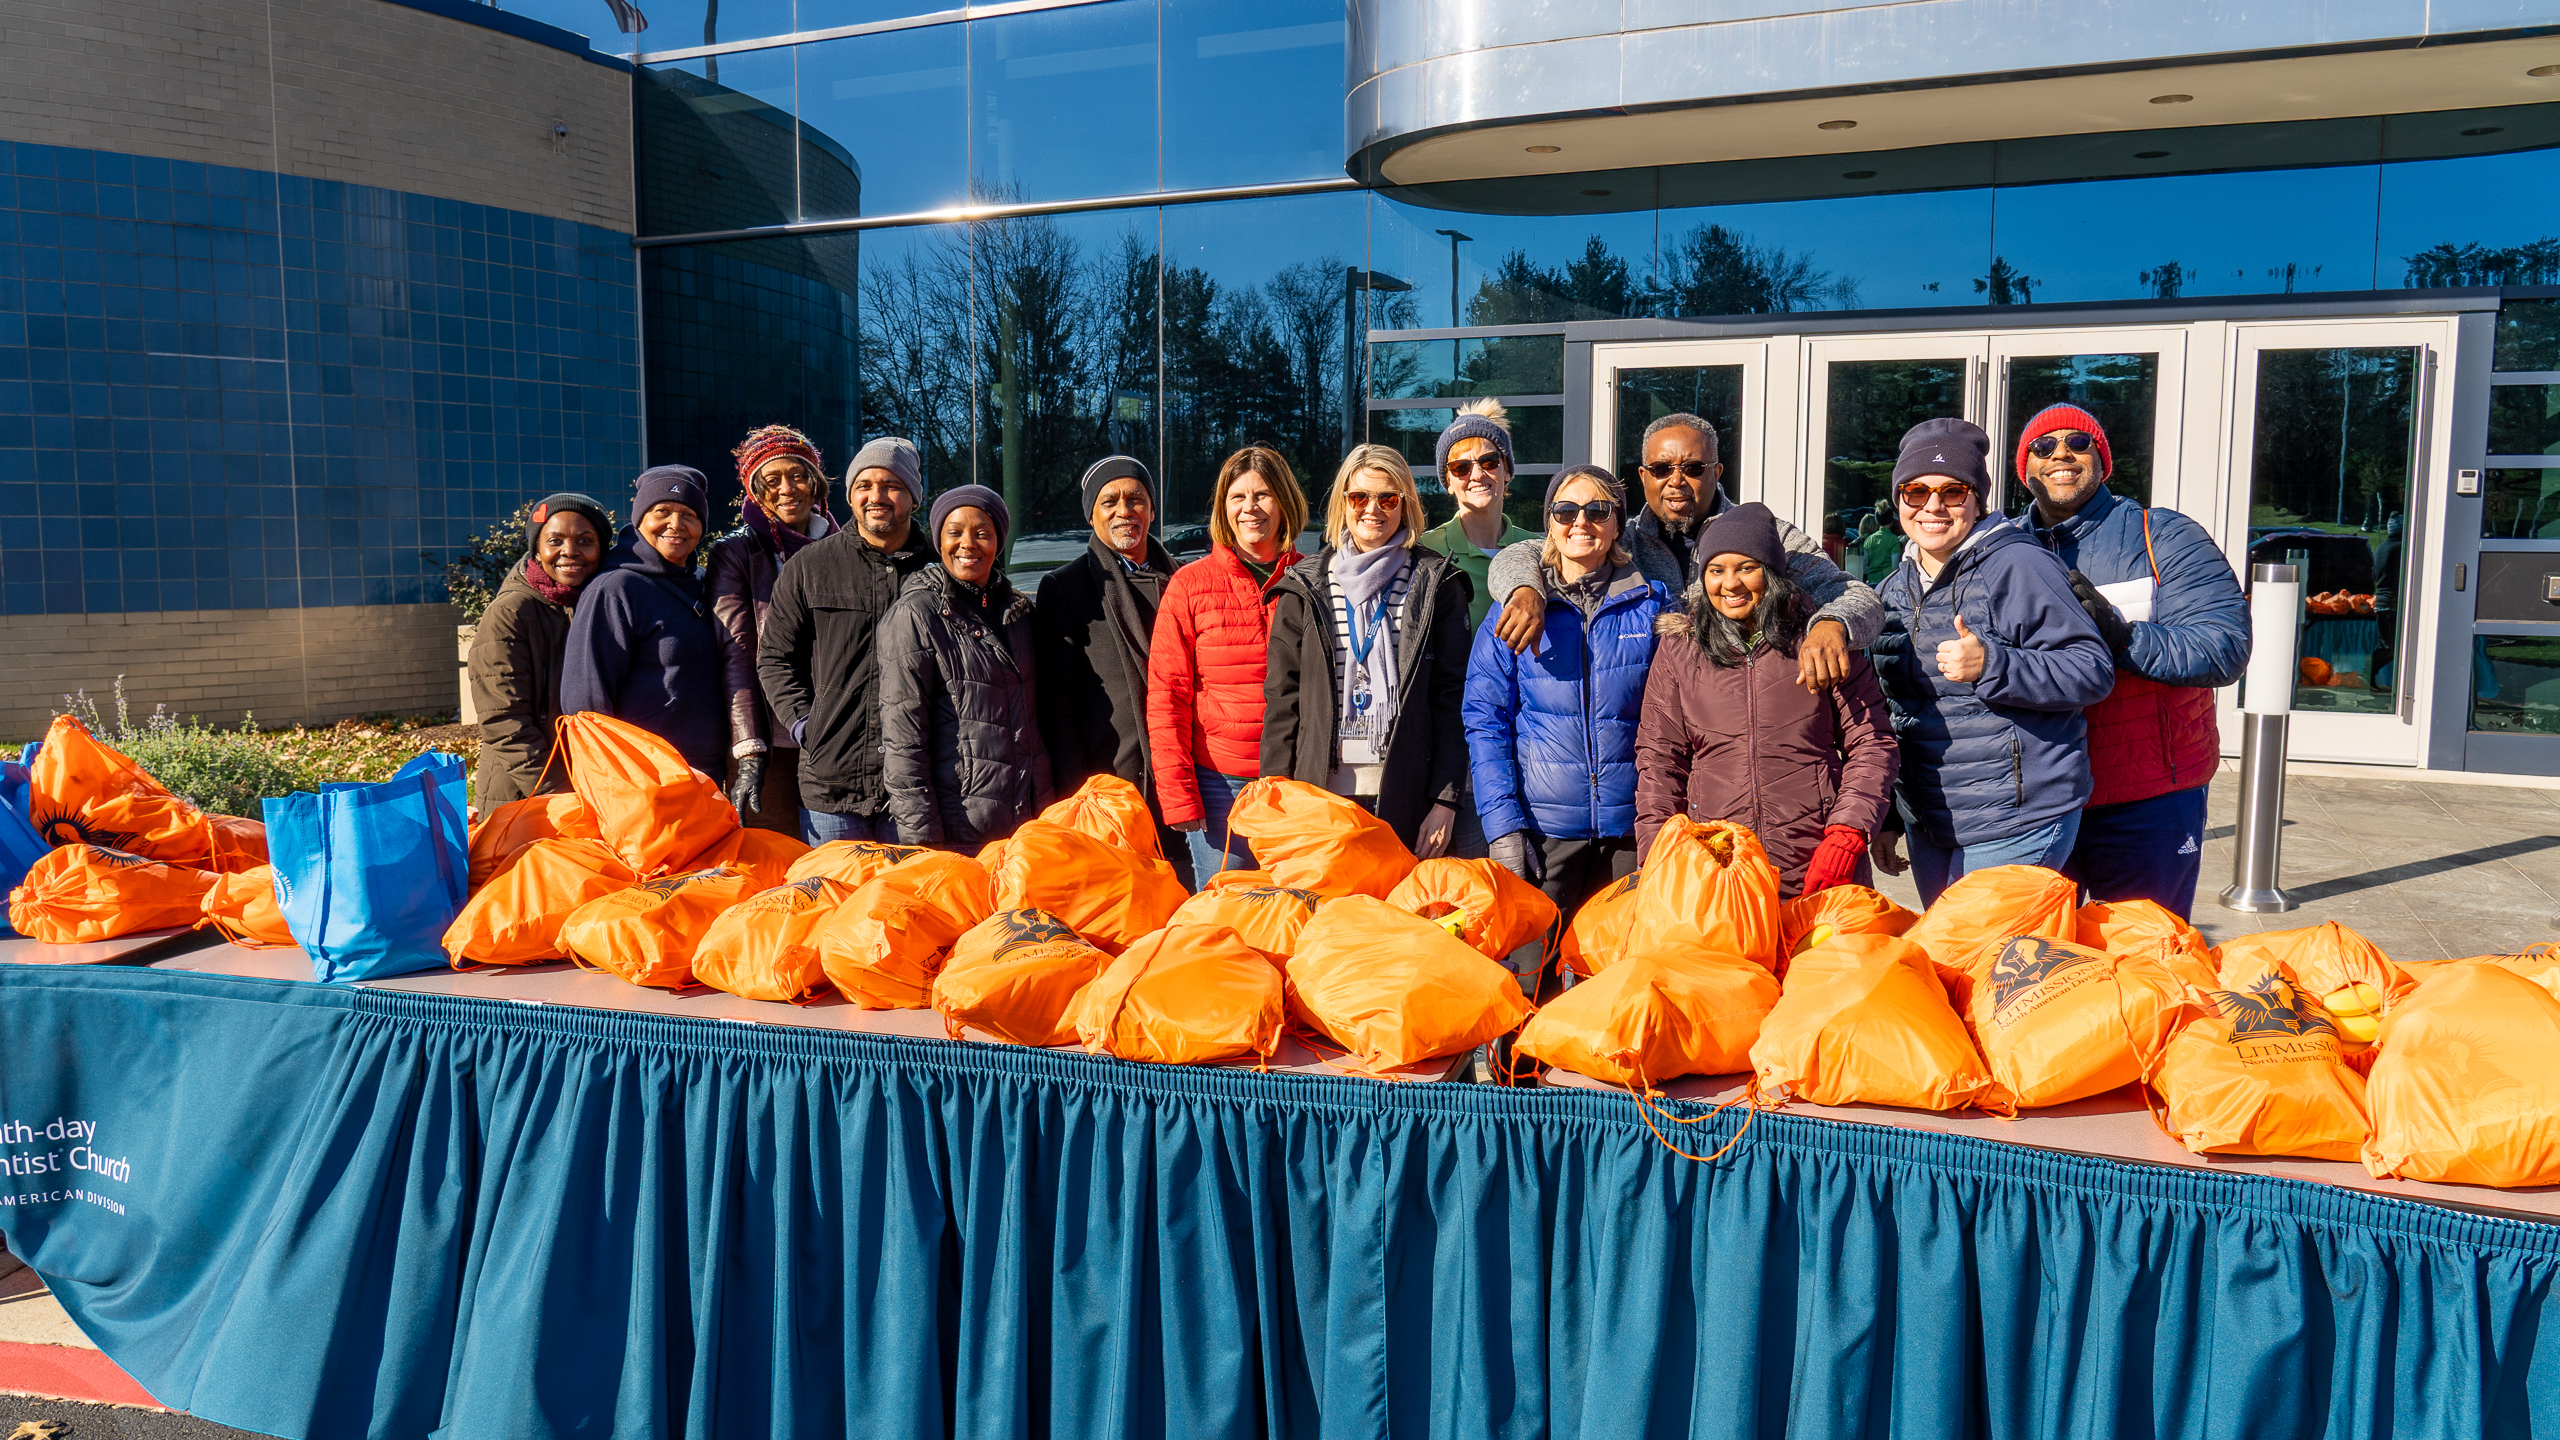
(1711, 270)
(1015, 352)
(1870, 404)
(2331, 446)
(2165, 281)
(2006, 284)
(2449, 266)
(2121, 391)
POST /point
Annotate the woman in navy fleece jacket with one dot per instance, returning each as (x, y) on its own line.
(641, 645)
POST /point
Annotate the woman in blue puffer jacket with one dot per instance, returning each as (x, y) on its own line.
(1987, 659)
(1551, 735)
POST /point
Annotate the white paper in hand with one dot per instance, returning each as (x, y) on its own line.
(2132, 598)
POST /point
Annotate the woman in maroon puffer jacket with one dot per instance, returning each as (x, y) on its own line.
(1211, 650)
(1727, 733)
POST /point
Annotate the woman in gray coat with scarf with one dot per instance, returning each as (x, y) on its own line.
(1090, 630)
(961, 757)
(1369, 660)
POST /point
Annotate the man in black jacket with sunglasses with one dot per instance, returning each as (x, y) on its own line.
(1681, 468)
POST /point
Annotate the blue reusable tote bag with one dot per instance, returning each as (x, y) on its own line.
(370, 876)
(20, 846)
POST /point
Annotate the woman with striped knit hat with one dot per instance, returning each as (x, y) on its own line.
(782, 509)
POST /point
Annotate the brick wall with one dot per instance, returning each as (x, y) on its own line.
(353, 90)
(314, 665)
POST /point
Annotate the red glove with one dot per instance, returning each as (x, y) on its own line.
(1835, 859)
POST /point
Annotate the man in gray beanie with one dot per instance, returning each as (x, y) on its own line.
(815, 650)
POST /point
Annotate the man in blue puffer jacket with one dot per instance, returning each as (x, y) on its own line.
(1987, 659)
(2169, 606)
(1551, 735)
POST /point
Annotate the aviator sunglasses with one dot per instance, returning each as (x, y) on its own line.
(2043, 446)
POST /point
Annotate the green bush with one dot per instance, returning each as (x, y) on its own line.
(226, 772)
(473, 578)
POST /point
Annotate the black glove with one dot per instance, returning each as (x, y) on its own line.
(2113, 628)
(1514, 853)
(749, 785)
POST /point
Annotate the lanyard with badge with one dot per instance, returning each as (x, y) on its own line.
(1361, 645)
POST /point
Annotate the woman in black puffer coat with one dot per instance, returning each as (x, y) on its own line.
(961, 753)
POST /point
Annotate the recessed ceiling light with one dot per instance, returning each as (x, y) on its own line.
(1857, 174)
(2150, 154)
(2171, 99)
(2540, 70)
(1838, 125)
(1595, 194)
(1544, 149)
(2484, 130)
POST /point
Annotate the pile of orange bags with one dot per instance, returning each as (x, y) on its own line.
(1017, 975)
(1393, 989)
(1185, 995)
(1707, 888)
(1312, 839)
(1865, 1019)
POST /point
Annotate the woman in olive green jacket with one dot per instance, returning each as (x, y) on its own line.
(516, 650)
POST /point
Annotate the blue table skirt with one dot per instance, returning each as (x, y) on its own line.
(321, 1212)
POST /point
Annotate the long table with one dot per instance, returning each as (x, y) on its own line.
(477, 1204)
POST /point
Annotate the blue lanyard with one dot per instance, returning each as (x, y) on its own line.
(1360, 647)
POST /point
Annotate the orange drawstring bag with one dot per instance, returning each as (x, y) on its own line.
(2351, 979)
(242, 905)
(650, 806)
(82, 790)
(1185, 995)
(1707, 887)
(1016, 976)
(2462, 1087)
(1990, 906)
(239, 844)
(1268, 916)
(1596, 936)
(850, 862)
(516, 918)
(515, 827)
(2539, 965)
(1490, 908)
(889, 938)
(1112, 811)
(1106, 894)
(1873, 1029)
(762, 853)
(1813, 919)
(2256, 1070)
(1393, 989)
(1655, 1016)
(2146, 928)
(646, 933)
(765, 946)
(1312, 839)
(2060, 1021)
(75, 894)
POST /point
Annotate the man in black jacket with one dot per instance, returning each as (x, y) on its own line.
(815, 653)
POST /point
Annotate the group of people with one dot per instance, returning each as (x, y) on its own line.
(2035, 691)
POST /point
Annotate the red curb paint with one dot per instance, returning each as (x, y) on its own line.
(67, 1372)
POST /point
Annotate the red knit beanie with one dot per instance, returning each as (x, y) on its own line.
(766, 442)
(2065, 417)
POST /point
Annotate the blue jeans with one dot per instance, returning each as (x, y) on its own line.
(1217, 801)
(2143, 850)
(817, 827)
(1933, 869)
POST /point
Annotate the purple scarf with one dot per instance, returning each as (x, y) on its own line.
(564, 596)
(784, 540)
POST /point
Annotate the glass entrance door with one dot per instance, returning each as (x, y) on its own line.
(2129, 381)
(1861, 396)
(1724, 382)
(2333, 469)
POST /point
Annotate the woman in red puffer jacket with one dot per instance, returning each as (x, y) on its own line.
(1211, 648)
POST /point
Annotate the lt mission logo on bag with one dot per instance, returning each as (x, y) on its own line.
(2032, 970)
(2270, 1025)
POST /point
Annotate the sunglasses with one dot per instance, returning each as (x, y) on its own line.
(1661, 469)
(2080, 442)
(1461, 469)
(1565, 512)
(1918, 493)
(1386, 500)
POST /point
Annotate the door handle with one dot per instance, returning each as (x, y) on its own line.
(2461, 573)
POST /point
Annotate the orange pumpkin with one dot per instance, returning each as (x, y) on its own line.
(2315, 671)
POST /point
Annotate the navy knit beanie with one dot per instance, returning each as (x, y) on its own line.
(1472, 427)
(575, 504)
(1608, 483)
(1748, 530)
(1956, 449)
(672, 485)
(961, 497)
(1109, 468)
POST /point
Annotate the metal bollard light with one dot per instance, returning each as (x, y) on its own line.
(2266, 705)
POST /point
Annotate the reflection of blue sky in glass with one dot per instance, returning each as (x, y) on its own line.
(1252, 91)
(2254, 233)
(1897, 250)
(899, 103)
(1065, 101)
(2497, 201)
(1404, 243)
